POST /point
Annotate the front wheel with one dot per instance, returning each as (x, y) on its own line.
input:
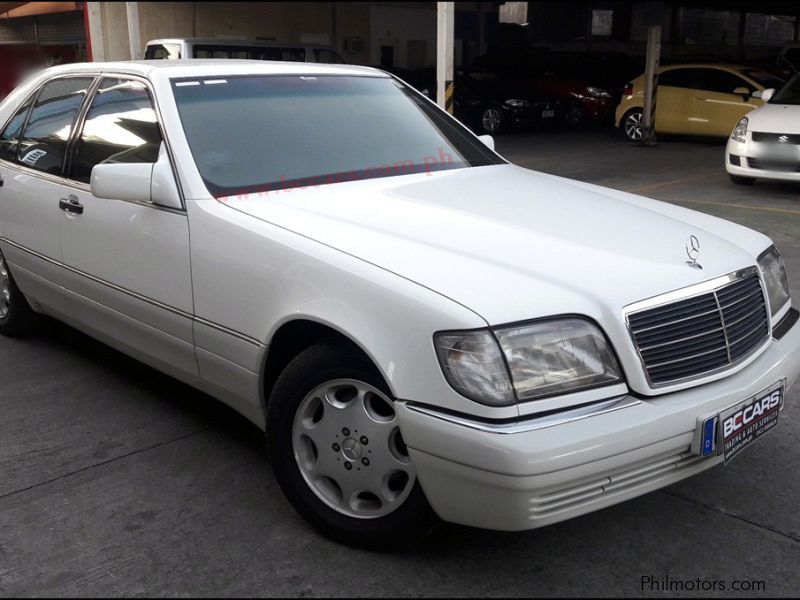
(739, 180)
(492, 121)
(338, 453)
(632, 124)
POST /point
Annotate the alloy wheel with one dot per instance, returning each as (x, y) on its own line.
(633, 126)
(349, 450)
(491, 120)
(5, 288)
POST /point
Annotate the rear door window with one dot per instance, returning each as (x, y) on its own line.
(681, 78)
(43, 143)
(9, 139)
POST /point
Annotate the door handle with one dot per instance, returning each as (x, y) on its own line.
(71, 205)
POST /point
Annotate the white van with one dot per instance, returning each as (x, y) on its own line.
(176, 48)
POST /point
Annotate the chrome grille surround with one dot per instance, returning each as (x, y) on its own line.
(700, 330)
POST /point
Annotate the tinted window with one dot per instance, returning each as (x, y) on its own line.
(276, 132)
(323, 55)
(120, 126)
(768, 80)
(163, 52)
(9, 139)
(682, 78)
(714, 80)
(44, 141)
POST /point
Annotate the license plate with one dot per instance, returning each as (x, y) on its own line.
(780, 153)
(735, 428)
(548, 114)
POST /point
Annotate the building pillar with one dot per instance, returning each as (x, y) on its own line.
(95, 41)
(134, 37)
(445, 43)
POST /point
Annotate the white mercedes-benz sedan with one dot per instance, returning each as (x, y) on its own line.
(766, 143)
(420, 327)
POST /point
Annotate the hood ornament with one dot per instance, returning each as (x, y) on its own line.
(693, 252)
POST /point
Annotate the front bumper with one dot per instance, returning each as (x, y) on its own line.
(530, 475)
(744, 152)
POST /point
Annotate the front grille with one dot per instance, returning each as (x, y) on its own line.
(773, 165)
(701, 334)
(778, 138)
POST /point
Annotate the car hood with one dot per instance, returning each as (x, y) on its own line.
(775, 118)
(510, 243)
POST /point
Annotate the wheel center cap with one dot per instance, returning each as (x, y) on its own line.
(351, 449)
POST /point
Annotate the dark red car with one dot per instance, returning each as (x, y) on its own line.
(580, 102)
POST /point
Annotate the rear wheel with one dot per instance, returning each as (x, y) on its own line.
(632, 124)
(16, 316)
(338, 452)
(739, 180)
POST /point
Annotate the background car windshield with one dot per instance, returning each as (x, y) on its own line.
(788, 94)
(767, 80)
(260, 133)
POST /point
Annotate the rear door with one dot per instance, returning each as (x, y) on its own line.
(33, 151)
(715, 108)
(128, 260)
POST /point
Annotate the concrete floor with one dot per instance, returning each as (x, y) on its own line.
(116, 480)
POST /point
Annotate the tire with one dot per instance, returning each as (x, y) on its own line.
(16, 316)
(631, 124)
(326, 393)
(492, 121)
(739, 180)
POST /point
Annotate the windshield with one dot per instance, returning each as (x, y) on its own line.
(788, 94)
(765, 79)
(262, 133)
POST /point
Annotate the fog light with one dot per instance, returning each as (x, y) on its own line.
(735, 160)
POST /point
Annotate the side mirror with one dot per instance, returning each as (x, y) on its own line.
(766, 95)
(138, 182)
(487, 140)
(743, 92)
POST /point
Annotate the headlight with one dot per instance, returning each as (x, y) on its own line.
(473, 365)
(740, 131)
(544, 358)
(515, 103)
(775, 280)
(597, 92)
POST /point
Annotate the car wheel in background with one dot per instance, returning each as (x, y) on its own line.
(574, 115)
(739, 180)
(492, 120)
(338, 453)
(16, 316)
(632, 123)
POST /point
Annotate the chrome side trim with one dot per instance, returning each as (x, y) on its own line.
(705, 287)
(136, 295)
(531, 424)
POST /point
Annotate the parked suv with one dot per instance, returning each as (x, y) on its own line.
(177, 48)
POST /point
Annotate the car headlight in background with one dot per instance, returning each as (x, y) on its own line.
(597, 92)
(775, 279)
(543, 358)
(516, 103)
(740, 131)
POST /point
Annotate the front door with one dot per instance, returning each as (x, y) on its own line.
(715, 108)
(128, 260)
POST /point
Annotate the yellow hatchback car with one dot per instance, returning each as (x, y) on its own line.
(696, 99)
